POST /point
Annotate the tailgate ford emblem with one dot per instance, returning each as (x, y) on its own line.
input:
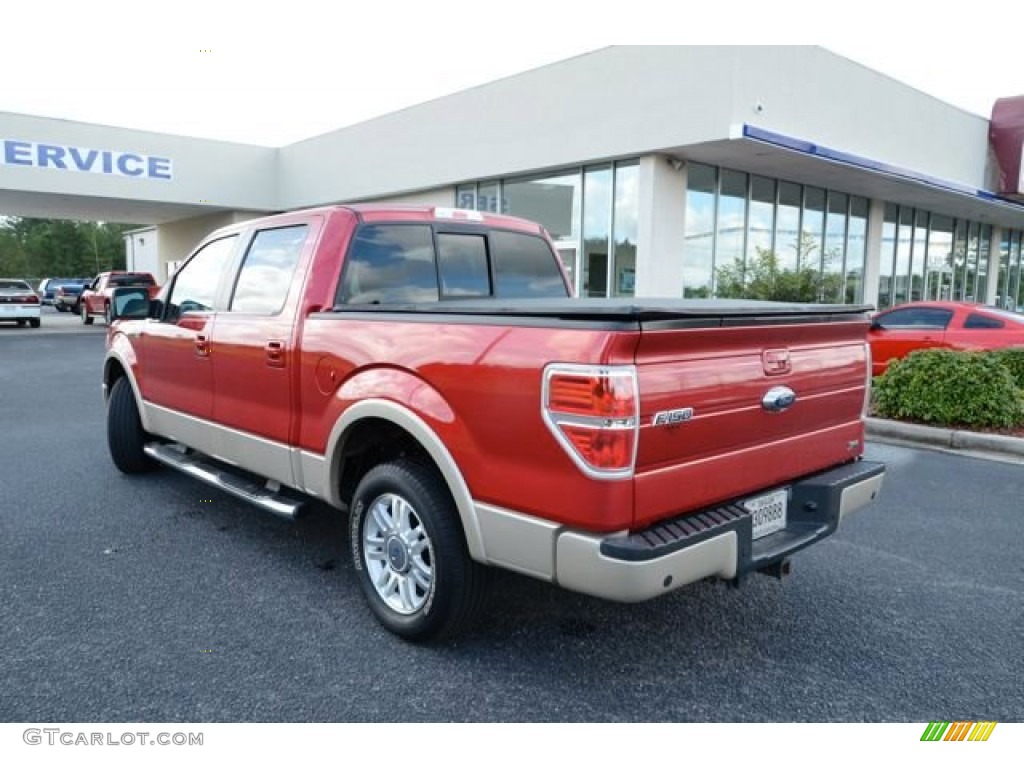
(778, 399)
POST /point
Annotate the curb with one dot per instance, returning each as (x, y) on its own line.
(940, 437)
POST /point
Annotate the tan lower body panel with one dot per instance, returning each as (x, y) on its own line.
(582, 567)
(859, 495)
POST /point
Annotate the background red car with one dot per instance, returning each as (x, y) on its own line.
(897, 332)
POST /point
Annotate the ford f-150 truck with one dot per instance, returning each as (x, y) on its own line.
(428, 371)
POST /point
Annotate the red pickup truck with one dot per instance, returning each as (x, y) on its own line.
(95, 299)
(428, 371)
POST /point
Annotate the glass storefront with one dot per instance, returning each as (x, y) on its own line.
(591, 214)
(756, 237)
(1010, 288)
(930, 257)
(753, 236)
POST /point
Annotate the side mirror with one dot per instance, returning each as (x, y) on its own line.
(876, 326)
(129, 303)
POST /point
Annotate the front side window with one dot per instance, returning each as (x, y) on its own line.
(390, 263)
(916, 317)
(982, 321)
(267, 271)
(195, 284)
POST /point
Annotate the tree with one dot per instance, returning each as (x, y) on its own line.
(35, 248)
(761, 277)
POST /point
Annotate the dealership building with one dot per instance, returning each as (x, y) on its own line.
(658, 172)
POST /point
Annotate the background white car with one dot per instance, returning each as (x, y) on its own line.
(19, 303)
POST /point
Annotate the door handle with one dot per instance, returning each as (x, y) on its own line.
(202, 345)
(275, 354)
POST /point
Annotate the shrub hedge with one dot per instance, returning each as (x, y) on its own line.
(1013, 359)
(953, 389)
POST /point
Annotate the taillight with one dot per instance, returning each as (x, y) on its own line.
(27, 299)
(593, 412)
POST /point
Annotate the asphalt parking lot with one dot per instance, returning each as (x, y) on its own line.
(155, 599)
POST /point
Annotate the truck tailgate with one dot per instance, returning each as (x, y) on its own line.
(736, 405)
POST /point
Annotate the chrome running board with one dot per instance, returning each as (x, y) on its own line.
(267, 495)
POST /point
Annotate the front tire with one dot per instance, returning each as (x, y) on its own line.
(86, 317)
(410, 554)
(125, 436)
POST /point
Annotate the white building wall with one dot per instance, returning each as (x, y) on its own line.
(442, 197)
(615, 102)
(661, 230)
(204, 173)
(873, 252)
(178, 239)
(142, 253)
(636, 100)
(809, 93)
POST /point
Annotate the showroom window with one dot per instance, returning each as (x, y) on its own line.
(591, 214)
(1010, 288)
(931, 257)
(756, 237)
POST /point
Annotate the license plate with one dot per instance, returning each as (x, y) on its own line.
(768, 512)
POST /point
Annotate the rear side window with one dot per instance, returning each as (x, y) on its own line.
(525, 267)
(267, 271)
(462, 260)
(390, 263)
(982, 321)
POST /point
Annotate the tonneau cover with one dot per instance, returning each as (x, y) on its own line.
(638, 311)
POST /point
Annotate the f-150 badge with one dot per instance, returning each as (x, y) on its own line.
(677, 416)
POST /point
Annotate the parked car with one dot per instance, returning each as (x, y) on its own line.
(68, 294)
(95, 299)
(19, 303)
(897, 332)
(46, 288)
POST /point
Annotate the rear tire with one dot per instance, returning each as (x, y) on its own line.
(410, 554)
(86, 317)
(125, 435)
(35, 322)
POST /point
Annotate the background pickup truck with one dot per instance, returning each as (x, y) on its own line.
(428, 371)
(68, 294)
(95, 299)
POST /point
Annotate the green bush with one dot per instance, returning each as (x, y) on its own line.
(1013, 359)
(953, 389)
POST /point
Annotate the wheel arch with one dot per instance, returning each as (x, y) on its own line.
(119, 363)
(396, 425)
